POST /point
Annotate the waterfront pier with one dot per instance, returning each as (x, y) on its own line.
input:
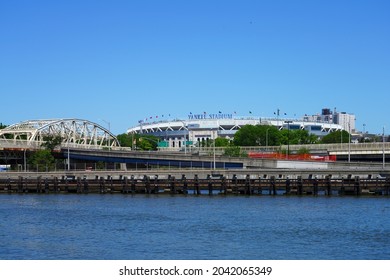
(213, 184)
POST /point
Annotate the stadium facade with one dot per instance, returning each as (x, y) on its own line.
(197, 128)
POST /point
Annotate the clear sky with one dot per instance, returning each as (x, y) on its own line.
(120, 61)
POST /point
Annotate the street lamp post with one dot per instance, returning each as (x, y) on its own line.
(288, 138)
(277, 117)
(68, 157)
(214, 149)
(383, 149)
(364, 133)
(185, 144)
(349, 142)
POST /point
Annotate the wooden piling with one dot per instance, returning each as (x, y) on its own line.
(248, 186)
(387, 186)
(102, 185)
(272, 189)
(8, 185)
(329, 185)
(184, 184)
(260, 188)
(79, 185)
(209, 184)
(147, 184)
(235, 184)
(156, 188)
(133, 182)
(85, 185)
(342, 187)
(125, 185)
(46, 185)
(111, 184)
(172, 184)
(66, 184)
(300, 185)
(196, 185)
(56, 185)
(39, 184)
(315, 186)
(223, 185)
(20, 184)
(357, 188)
(288, 185)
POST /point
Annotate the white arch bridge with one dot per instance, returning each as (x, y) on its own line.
(74, 133)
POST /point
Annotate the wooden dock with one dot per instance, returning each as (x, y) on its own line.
(212, 185)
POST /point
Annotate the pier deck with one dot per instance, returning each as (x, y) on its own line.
(212, 185)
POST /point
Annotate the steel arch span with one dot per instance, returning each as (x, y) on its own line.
(72, 131)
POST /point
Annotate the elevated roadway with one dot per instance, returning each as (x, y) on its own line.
(204, 158)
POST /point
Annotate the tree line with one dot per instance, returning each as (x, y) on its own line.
(266, 135)
(248, 135)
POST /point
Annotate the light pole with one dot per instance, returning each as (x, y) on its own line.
(68, 141)
(277, 117)
(383, 149)
(277, 113)
(68, 157)
(214, 149)
(288, 138)
(364, 133)
(349, 142)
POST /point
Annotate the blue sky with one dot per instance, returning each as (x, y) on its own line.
(122, 61)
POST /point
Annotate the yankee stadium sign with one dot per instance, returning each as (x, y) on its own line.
(206, 116)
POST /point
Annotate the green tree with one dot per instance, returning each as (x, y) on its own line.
(222, 142)
(146, 142)
(336, 137)
(246, 136)
(297, 137)
(234, 151)
(257, 135)
(303, 151)
(139, 141)
(6, 136)
(43, 159)
(126, 140)
(51, 142)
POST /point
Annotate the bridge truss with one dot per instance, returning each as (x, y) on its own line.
(73, 132)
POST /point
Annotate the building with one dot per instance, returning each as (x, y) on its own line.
(347, 121)
(198, 128)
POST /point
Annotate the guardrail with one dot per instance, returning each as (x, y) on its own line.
(342, 147)
(36, 145)
(374, 147)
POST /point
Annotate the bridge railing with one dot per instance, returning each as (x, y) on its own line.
(19, 144)
(36, 145)
(342, 147)
(93, 147)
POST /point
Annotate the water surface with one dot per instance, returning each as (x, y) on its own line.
(93, 226)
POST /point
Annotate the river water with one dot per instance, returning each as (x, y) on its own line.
(117, 227)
